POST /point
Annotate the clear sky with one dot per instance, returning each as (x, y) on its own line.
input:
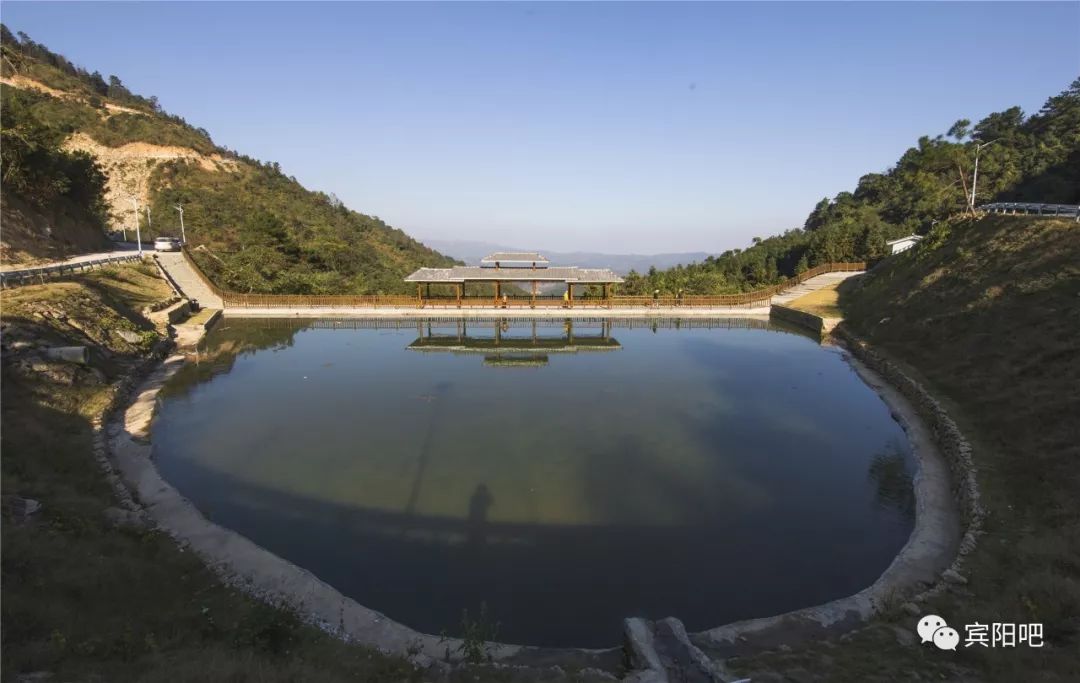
(611, 127)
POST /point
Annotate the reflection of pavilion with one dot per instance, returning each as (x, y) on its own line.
(503, 346)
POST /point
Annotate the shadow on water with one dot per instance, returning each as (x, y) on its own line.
(479, 503)
(436, 399)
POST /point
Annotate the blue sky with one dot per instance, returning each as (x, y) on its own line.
(612, 127)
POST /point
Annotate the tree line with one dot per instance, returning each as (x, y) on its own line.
(1021, 158)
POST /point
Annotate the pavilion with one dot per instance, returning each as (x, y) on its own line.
(504, 267)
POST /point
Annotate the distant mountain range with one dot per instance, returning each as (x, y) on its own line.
(471, 252)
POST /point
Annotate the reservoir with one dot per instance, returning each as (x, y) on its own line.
(563, 474)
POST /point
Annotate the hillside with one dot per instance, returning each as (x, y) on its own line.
(254, 228)
(987, 314)
(1034, 158)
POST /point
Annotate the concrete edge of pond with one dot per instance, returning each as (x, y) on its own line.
(914, 574)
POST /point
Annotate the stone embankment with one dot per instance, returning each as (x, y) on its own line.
(952, 444)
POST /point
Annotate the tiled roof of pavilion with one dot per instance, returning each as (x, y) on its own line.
(514, 257)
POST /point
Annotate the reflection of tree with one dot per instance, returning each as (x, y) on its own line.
(225, 343)
(892, 475)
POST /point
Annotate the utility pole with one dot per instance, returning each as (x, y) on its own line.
(975, 176)
(138, 234)
(183, 235)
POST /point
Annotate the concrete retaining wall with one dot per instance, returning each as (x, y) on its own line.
(815, 323)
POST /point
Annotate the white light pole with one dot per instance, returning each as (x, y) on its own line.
(183, 235)
(975, 176)
(138, 233)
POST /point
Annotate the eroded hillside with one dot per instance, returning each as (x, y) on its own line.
(258, 230)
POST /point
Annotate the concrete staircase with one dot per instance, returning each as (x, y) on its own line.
(187, 280)
(813, 284)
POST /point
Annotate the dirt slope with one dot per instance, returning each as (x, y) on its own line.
(129, 169)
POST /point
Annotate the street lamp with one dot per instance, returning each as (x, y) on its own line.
(138, 233)
(183, 235)
(975, 176)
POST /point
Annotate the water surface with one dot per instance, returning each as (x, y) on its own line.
(567, 475)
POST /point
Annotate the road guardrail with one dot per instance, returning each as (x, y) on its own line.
(1030, 208)
(37, 275)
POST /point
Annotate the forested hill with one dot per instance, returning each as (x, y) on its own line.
(75, 139)
(1034, 158)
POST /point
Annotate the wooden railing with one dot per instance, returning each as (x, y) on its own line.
(755, 299)
(234, 300)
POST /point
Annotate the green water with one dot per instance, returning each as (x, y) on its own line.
(565, 475)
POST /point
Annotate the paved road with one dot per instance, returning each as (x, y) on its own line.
(190, 284)
(120, 249)
(813, 284)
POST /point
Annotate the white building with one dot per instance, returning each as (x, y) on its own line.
(902, 244)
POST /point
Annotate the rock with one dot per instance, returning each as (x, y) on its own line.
(954, 577)
(70, 354)
(22, 509)
(60, 373)
(593, 673)
(129, 336)
(903, 636)
(126, 518)
(638, 643)
(799, 675)
(661, 651)
(911, 608)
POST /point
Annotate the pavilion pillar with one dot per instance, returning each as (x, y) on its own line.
(460, 289)
(533, 304)
(498, 292)
(419, 295)
(570, 294)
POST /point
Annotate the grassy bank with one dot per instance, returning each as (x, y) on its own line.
(824, 303)
(987, 315)
(86, 598)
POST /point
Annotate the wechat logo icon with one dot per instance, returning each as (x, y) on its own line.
(933, 629)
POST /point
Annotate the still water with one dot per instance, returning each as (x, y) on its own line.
(566, 475)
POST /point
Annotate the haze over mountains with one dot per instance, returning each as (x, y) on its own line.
(471, 252)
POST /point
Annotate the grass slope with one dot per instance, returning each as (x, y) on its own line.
(88, 600)
(987, 314)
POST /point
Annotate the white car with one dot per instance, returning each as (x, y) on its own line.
(167, 244)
